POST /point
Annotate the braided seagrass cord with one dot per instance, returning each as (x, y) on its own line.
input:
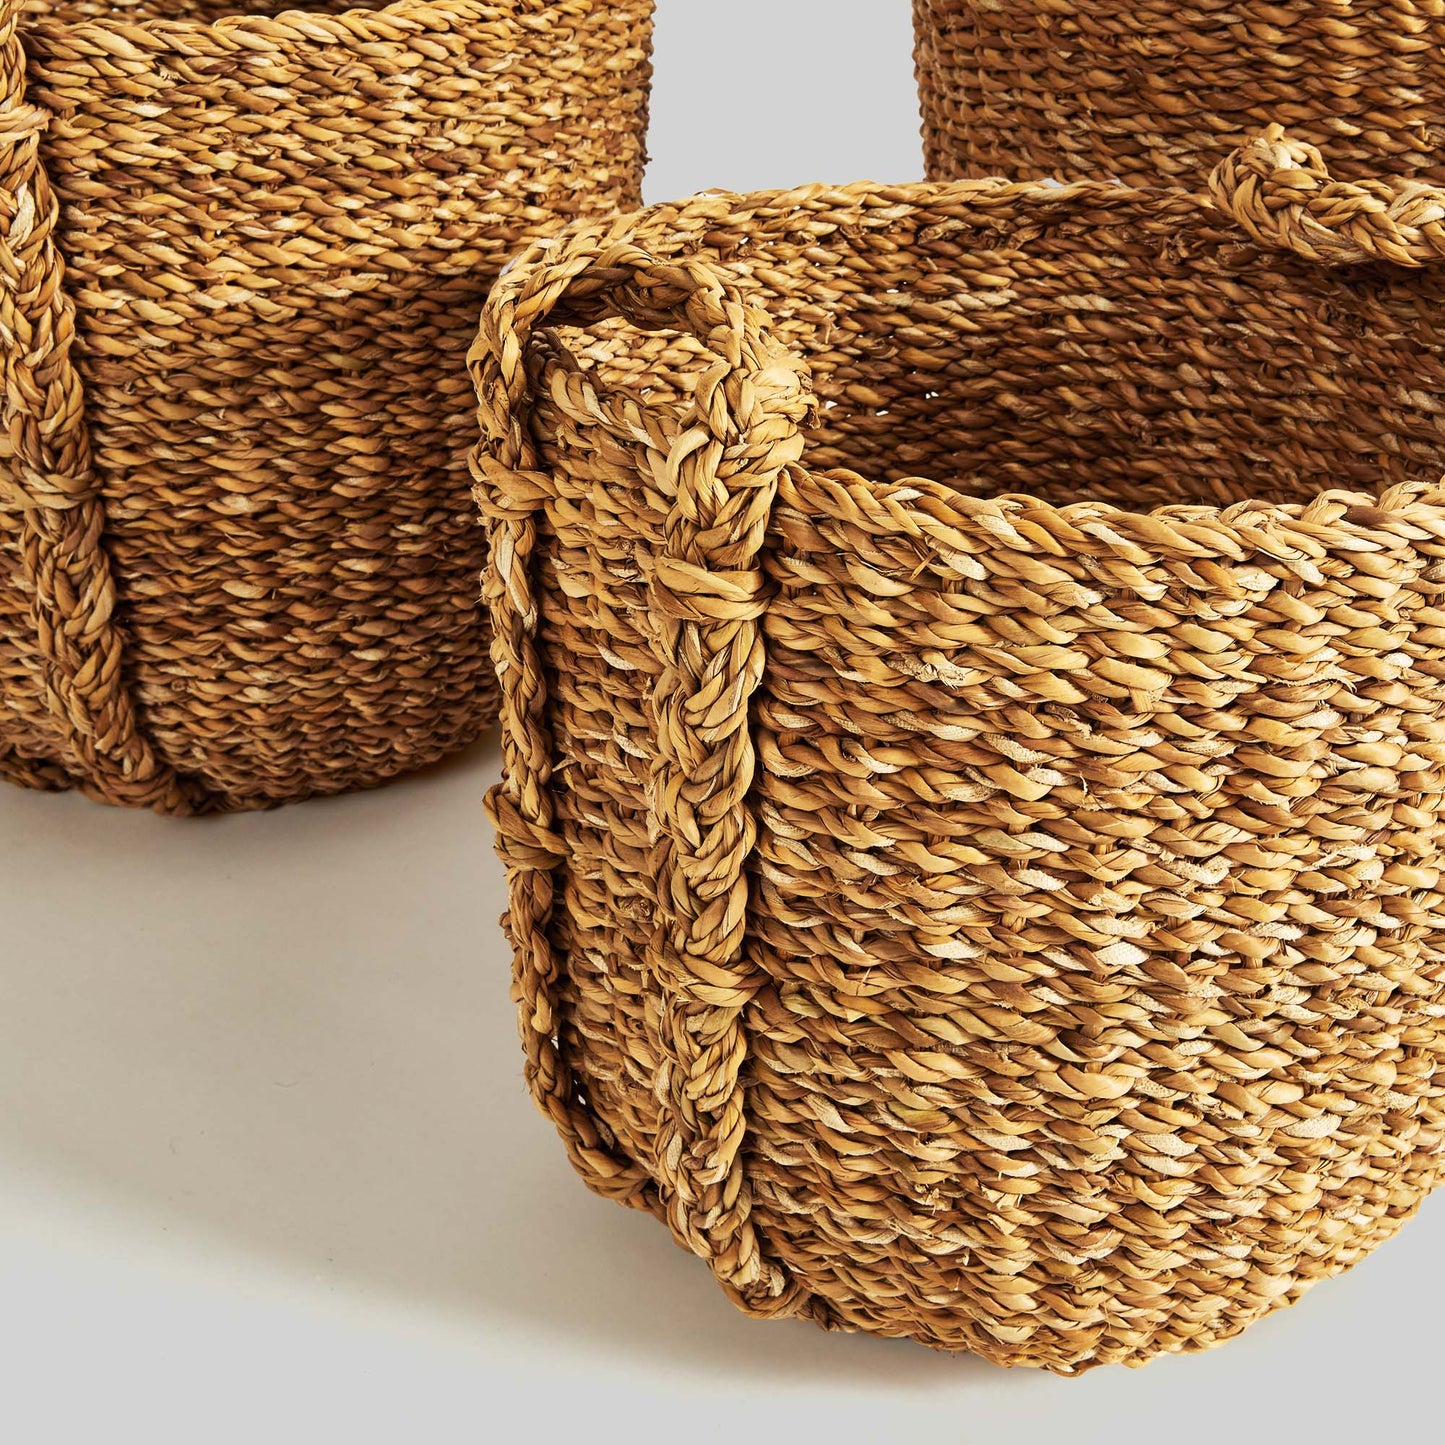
(1281, 193)
(999, 909)
(237, 561)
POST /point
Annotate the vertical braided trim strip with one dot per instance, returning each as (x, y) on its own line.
(509, 496)
(709, 594)
(724, 456)
(48, 480)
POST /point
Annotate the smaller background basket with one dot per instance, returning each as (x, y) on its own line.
(1150, 90)
(241, 259)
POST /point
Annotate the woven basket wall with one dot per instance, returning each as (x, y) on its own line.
(973, 671)
(242, 261)
(1149, 90)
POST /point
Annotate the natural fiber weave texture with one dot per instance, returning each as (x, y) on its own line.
(1150, 90)
(1000, 909)
(241, 259)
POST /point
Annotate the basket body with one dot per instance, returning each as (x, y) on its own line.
(1000, 910)
(1147, 91)
(269, 237)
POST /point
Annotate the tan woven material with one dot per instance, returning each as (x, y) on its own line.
(241, 259)
(1000, 909)
(1151, 90)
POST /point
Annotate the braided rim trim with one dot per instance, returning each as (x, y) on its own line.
(49, 482)
(1281, 192)
(720, 461)
(520, 807)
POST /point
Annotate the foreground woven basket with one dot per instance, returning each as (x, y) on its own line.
(982, 909)
(1145, 90)
(238, 560)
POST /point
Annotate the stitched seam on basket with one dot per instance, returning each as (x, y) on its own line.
(710, 615)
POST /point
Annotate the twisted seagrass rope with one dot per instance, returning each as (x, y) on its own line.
(739, 431)
(50, 482)
(972, 799)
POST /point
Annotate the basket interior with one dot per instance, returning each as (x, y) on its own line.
(1131, 351)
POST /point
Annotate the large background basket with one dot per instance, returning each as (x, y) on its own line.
(1152, 90)
(973, 733)
(241, 259)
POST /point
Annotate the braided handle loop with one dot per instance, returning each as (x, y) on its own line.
(48, 488)
(592, 273)
(716, 458)
(1281, 192)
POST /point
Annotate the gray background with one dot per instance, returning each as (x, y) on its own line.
(267, 1170)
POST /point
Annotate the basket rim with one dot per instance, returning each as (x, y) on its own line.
(281, 31)
(1213, 528)
(918, 194)
(1334, 518)
(1331, 519)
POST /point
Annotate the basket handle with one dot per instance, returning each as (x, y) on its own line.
(716, 458)
(592, 273)
(1281, 192)
(47, 480)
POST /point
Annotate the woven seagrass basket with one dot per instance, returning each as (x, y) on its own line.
(242, 258)
(1151, 90)
(973, 677)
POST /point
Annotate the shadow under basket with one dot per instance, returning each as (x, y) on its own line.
(242, 260)
(973, 705)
